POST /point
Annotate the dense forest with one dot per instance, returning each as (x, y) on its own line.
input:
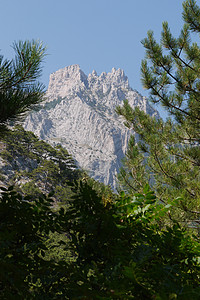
(64, 235)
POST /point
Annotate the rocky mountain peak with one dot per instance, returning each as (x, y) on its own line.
(79, 114)
(113, 78)
(65, 80)
(94, 73)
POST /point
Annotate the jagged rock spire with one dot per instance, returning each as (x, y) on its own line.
(79, 114)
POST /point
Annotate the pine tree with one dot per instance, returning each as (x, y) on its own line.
(19, 88)
(168, 153)
(38, 167)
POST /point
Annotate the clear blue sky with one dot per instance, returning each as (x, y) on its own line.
(96, 34)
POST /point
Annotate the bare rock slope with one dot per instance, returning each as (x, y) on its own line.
(79, 114)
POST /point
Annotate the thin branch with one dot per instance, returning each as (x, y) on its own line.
(174, 107)
(168, 175)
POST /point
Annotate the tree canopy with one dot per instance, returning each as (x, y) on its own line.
(167, 154)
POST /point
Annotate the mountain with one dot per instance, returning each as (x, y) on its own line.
(79, 114)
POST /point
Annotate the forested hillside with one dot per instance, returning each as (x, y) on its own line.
(37, 167)
(65, 236)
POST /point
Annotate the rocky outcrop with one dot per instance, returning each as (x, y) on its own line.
(79, 113)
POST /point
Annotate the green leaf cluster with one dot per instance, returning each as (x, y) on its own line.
(91, 251)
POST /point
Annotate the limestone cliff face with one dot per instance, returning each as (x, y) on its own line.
(79, 113)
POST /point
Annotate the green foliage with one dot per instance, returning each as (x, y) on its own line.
(167, 155)
(19, 89)
(38, 166)
(122, 254)
(92, 251)
(24, 225)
